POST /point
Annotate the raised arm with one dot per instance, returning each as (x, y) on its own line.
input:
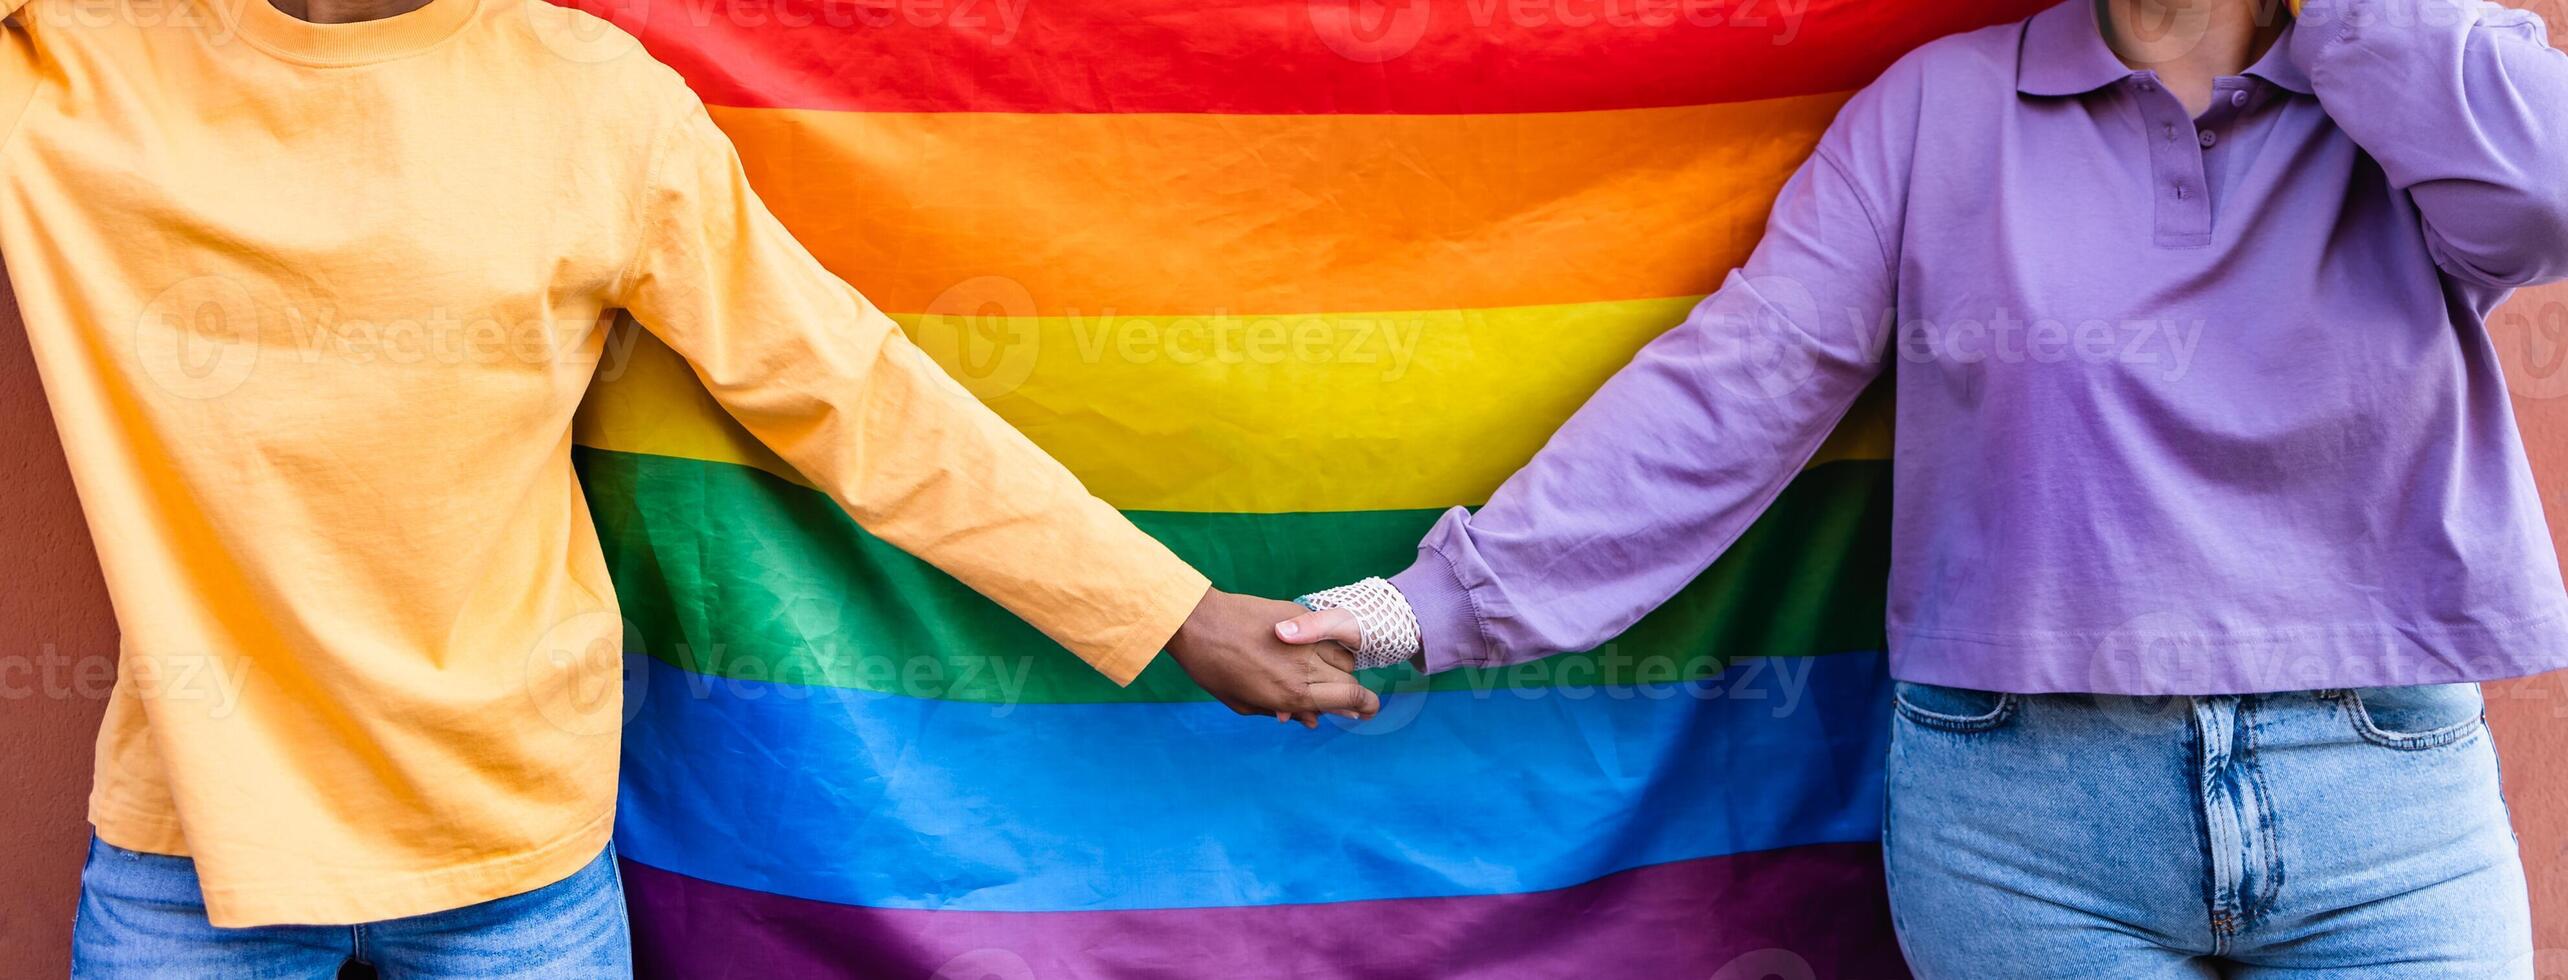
(2465, 106)
(832, 385)
(1674, 457)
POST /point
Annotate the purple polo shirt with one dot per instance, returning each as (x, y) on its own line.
(2186, 405)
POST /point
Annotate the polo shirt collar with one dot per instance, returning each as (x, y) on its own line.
(2064, 53)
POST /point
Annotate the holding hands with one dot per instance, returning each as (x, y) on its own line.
(1294, 661)
(1371, 617)
(1229, 646)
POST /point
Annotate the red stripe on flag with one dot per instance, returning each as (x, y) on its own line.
(1299, 56)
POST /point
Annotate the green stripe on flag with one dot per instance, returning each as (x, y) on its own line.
(807, 597)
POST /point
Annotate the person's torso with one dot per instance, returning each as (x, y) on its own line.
(314, 306)
(2173, 388)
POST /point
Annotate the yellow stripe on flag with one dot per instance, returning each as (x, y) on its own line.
(1257, 414)
(1165, 213)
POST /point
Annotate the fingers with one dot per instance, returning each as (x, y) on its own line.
(1336, 655)
(1288, 664)
(1346, 698)
(1326, 624)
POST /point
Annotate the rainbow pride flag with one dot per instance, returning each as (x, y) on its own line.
(1281, 280)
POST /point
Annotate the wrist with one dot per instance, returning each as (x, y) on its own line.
(1191, 629)
(1388, 627)
(1449, 624)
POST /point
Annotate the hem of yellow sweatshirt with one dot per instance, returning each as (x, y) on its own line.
(351, 901)
(134, 829)
(1183, 591)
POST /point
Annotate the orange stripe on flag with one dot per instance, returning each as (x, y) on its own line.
(1167, 214)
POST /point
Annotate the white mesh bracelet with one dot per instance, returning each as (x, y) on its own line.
(1383, 615)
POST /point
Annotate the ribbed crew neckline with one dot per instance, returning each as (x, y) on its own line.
(362, 42)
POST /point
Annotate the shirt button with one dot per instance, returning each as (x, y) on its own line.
(2238, 98)
(2208, 138)
(2148, 87)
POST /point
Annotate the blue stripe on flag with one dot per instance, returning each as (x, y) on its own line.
(895, 802)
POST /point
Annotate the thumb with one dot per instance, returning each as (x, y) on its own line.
(1326, 624)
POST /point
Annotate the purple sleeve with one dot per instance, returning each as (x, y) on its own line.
(1673, 458)
(2465, 106)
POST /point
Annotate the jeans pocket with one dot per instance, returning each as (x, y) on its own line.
(1951, 709)
(2419, 717)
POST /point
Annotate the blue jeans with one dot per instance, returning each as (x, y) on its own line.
(2314, 834)
(142, 915)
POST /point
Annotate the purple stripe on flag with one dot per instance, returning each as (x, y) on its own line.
(1804, 912)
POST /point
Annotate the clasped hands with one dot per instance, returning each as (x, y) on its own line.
(1232, 647)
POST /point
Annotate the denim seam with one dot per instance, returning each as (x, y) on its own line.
(2419, 741)
(2266, 832)
(2407, 741)
(2198, 748)
(1890, 878)
(1956, 723)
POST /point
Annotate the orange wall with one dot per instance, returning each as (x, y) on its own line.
(2531, 715)
(53, 621)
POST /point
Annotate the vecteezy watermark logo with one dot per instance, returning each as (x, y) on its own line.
(1752, 328)
(1773, 963)
(2149, 650)
(852, 673)
(214, 680)
(988, 963)
(53, 675)
(983, 330)
(2531, 334)
(2188, 648)
(1404, 701)
(2166, 345)
(1775, 687)
(604, 32)
(577, 675)
(987, 333)
(2416, 15)
(434, 337)
(206, 336)
(1386, 342)
(994, 22)
(1376, 31)
(213, 22)
(199, 338)
(1369, 31)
